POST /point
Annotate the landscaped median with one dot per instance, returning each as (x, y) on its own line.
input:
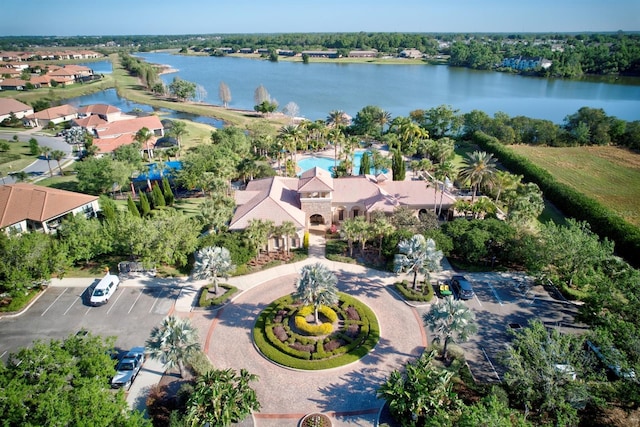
(351, 331)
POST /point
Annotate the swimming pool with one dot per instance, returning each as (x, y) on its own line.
(327, 163)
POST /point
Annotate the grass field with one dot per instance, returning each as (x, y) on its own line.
(17, 158)
(610, 175)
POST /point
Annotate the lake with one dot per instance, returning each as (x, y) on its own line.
(319, 88)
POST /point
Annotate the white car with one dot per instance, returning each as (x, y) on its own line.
(128, 368)
(104, 289)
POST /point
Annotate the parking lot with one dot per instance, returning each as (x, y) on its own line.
(504, 299)
(130, 315)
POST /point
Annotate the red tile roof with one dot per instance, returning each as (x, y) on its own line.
(107, 145)
(55, 112)
(121, 127)
(27, 201)
(103, 109)
(10, 105)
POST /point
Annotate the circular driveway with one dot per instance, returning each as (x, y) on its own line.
(348, 391)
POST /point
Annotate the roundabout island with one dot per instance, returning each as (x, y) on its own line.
(343, 386)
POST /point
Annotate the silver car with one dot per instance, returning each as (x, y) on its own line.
(128, 368)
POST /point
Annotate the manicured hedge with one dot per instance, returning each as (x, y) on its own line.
(603, 221)
(281, 353)
(410, 294)
(204, 302)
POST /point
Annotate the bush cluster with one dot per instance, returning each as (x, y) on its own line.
(303, 352)
(423, 294)
(603, 221)
(230, 290)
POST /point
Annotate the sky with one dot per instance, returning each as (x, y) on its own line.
(164, 17)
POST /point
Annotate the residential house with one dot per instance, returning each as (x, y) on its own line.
(55, 115)
(28, 207)
(106, 112)
(19, 109)
(411, 53)
(522, 63)
(246, 50)
(363, 53)
(111, 135)
(321, 53)
(13, 84)
(316, 199)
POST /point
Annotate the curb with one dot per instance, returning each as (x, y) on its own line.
(25, 308)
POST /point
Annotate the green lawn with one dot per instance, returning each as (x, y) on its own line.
(17, 158)
(610, 175)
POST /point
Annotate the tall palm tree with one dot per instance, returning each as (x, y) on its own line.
(290, 135)
(443, 171)
(211, 262)
(58, 155)
(337, 119)
(143, 136)
(382, 118)
(336, 136)
(286, 230)
(316, 286)
(258, 233)
(221, 397)
(479, 168)
(173, 342)
(417, 255)
(504, 180)
(178, 130)
(46, 153)
(451, 320)
(381, 227)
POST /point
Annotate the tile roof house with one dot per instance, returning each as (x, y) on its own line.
(13, 84)
(9, 105)
(106, 112)
(318, 199)
(31, 207)
(55, 115)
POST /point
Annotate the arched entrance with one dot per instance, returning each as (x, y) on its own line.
(316, 219)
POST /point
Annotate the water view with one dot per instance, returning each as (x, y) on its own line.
(322, 87)
(110, 96)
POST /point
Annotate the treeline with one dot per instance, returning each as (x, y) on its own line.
(587, 126)
(602, 220)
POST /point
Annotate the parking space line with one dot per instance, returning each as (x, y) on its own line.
(113, 304)
(54, 301)
(477, 299)
(495, 293)
(134, 303)
(2, 355)
(74, 301)
(155, 300)
(490, 363)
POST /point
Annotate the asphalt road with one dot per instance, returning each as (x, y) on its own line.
(62, 311)
(39, 167)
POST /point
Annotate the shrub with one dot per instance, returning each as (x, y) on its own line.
(200, 363)
(204, 301)
(424, 295)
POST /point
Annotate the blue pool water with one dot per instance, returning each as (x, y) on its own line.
(327, 163)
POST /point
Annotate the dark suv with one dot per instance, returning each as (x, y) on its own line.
(462, 287)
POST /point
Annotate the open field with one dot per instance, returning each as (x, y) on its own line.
(610, 175)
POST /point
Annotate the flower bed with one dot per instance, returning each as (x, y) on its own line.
(351, 333)
(206, 300)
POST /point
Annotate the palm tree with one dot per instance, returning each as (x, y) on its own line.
(337, 119)
(221, 397)
(286, 230)
(443, 171)
(417, 255)
(58, 155)
(143, 136)
(211, 262)
(173, 342)
(46, 151)
(451, 320)
(290, 135)
(382, 118)
(504, 180)
(381, 227)
(258, 233)
(316, 286)
(178, 130)
(479, 168)
(354, 229)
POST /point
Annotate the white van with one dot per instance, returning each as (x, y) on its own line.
(104, 289)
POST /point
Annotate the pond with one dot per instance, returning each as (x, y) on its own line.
(110, 97)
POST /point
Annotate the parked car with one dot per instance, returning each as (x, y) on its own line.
(462, 287)
(128, 368)
(104, 289)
